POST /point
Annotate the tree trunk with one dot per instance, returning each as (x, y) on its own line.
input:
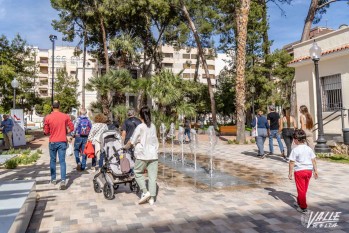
(266, 42)
(242, 20)
(105, 47)
(293, 100)
(203, 59)
(197, 65)
(83, 73)
(309, 20)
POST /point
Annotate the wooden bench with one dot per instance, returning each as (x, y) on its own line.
(228, 130)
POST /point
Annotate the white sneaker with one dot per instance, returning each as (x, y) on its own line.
(144, 198)
(151, 201)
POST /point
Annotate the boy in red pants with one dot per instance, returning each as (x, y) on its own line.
(302, 161)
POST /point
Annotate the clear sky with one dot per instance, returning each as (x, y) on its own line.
(32, 20)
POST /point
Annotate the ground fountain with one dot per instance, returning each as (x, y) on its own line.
(172, 135)
(163, 137)
(181, 141)
(201, 170)
(213, 142)
(194, 145)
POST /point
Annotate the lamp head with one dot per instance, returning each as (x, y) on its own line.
(53, 37)
(315, 52)
(14, 83)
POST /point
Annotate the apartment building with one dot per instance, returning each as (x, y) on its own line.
(185, 60)
(63, 57)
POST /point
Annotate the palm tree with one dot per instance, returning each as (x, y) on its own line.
(116, 81)
(242, 19)
(125, 49)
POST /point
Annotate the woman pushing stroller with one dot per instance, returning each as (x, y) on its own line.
(146, 144)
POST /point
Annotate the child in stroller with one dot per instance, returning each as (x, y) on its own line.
(117, 168)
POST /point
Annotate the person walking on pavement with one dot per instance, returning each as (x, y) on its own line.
(287, 125)
(146, 145)
(57, 125)
(82, 128)
(260, 122)
(273, 120)
(98, 127)
(187, 128)
(302, 166)
(129, 126)
(7, 126)
(307, 124)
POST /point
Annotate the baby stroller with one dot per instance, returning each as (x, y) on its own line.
(114, 171)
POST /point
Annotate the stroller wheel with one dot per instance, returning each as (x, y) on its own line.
(116, 186)
(134, 186)
(108, 191)
(97, 187)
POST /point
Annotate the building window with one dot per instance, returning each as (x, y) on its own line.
(186, 75)
(210, 67)
(209, 57)
(167, 65)
(44, 92)
(193, 66)
(133, 73)
(170, 55)
(331, 93)
(186, 65)
(58, 59)
(64, 58)
(211, 76)
(186, 56)
(44, 60)
(194, 56)
(72, 72)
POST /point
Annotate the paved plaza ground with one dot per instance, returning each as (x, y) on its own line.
(183, 205)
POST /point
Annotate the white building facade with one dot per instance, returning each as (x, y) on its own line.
(63, 57)
(334, 78)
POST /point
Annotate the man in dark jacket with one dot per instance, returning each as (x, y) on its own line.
(273, 120)
(129, 126)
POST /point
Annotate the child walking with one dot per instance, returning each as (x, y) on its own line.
(303, 163)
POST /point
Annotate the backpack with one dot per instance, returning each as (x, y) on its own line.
(84, 127)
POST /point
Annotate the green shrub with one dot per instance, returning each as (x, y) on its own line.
(39, 151)
(230, 141)
(253, 140)
(11, 163)
(235, 142)
(13, 151)
(246, 142)
(34, 157)
(26, 152)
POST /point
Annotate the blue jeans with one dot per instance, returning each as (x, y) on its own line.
(101, 159)
(60, 148)
(79, 145)
(187, 132)
(275, 134)
(260, 139)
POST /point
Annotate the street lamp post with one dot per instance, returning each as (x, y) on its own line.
(252, 90)
(321, 146)
(52, 39)
(15, 85)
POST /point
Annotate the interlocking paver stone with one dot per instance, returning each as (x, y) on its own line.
(183, 205)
